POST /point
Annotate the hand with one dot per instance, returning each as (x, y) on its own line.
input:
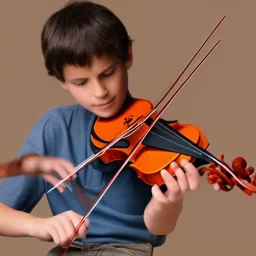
(187, 179)
(60, 229)
(46, 166)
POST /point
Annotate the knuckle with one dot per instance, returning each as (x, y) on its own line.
(175, 190)
(176, 193)
(179, 172)
(69, 213)
(167, 201)
(56, 241)
(70, 235)
(63, 242)
(190, 168)
(185, 189)
(195, 186)
(159, 199)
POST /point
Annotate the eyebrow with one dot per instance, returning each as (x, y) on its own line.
(78, 79)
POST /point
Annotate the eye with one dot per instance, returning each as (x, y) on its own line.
(82, 83)
(107, 74)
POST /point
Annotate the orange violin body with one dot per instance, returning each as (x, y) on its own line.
(149, 159)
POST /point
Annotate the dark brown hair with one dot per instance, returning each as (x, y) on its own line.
(78, 32)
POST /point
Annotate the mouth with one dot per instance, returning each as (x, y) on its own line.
(106, 103)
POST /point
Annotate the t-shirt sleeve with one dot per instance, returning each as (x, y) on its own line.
(23, 192)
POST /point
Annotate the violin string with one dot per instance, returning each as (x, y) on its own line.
(168, 139)
(212, 157)
(134, 149)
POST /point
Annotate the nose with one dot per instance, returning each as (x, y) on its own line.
(100, 91)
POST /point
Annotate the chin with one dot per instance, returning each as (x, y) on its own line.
(106, 114)
(109, 112)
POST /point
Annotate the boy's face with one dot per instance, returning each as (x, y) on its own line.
(102, 88)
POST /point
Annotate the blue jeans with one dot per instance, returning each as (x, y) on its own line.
(111, 249)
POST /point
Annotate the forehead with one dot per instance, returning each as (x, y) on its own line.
(98, 65)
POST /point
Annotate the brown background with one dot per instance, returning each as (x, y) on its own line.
(219, 99)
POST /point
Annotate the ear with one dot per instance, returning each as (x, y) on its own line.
(129, 62)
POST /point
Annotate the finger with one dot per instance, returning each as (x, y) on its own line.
(83, 229)
(68, 166)
(62, 171)
(216, 187)
(52, 231)
(69, 227)
(59, 225)
(181, 177)
(173, 188)
(192, 174)
(158, 195)
(54, 181)
(45, 165)
(76, 220)
(64, 168)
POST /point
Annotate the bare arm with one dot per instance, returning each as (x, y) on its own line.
(14, 223)
(33, 164)
(58, 229)
(163, 211)
(161, 219)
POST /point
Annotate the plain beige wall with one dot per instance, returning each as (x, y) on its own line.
(220, 99)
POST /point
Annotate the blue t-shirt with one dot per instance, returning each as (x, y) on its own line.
(65, 132)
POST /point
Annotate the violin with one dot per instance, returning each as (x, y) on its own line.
(166, 142)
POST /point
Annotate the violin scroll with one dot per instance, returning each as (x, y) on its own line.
(227, 181)
(239, 165)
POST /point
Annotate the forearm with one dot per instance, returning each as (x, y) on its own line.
(14, 223)
(15, 167)
(161, 219)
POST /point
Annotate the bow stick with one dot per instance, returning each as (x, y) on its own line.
(135, 126)
(93, 205)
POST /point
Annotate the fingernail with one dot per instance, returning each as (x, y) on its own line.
(163, 171)
(184, 162)
(174, 164)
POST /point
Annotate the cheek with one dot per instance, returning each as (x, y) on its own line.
(80, 95)
(121, 83)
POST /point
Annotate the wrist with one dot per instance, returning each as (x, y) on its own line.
(15, 166)
(30, 226)
(161, 218)
(168, 207)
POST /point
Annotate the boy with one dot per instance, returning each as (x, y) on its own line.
(88, 50)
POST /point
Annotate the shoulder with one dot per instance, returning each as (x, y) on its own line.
(63, 116)
(66, 112)
(57, 126)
